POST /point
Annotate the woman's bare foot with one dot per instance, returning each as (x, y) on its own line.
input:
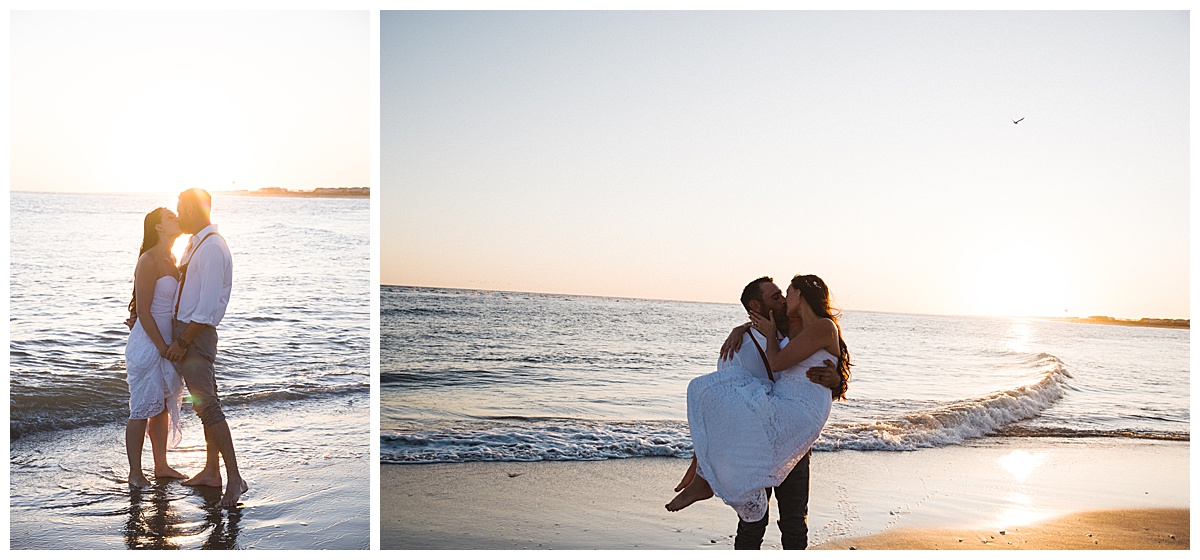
(138, 480)
(204, 478)
(688, 476)
(230, 499)
(167, 472)
(696, 491)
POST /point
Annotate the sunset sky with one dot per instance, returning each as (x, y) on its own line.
(677, 155)
(160, 101)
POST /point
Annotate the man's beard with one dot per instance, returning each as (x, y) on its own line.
(781, 320)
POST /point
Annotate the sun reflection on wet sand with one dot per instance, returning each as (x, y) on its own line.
(1020, 508)
(1021, 463)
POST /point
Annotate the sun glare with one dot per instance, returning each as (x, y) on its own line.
(179, 133)
(1020, 281)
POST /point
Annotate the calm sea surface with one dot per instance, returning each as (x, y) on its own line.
(494, 376)
(297, 327)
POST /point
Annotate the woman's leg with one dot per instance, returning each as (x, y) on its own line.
(135, 436)
(159, 425)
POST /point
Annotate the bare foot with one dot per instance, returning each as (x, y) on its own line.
(688, 476)
(204, 479)
(230, 499)
(167, 472)
(696, 491)
(138, 480)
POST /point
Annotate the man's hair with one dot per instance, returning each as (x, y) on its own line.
(753, 291)
(198, 198)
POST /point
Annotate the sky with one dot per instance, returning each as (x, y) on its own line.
(161, 101)
(678, 155)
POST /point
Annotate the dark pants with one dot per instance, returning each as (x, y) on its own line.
(792, 495)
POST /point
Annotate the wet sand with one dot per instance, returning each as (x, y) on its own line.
(1023, 485)
(307, 463)
(1122, 529)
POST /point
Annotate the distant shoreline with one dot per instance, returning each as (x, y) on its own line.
(1144, 322)
(337, 192)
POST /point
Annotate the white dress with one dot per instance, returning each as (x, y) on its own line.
(153, 382)
(748, 432)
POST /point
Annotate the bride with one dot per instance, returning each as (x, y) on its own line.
(749, 432)
(155, 388)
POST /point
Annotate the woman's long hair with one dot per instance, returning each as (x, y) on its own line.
(149, 240)
(814, 291)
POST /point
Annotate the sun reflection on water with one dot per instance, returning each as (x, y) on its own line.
(1019, 335)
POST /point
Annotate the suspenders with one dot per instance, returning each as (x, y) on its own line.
(183, 274)
(762, 354)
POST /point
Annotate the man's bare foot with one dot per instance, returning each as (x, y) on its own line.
(696, 491)
(204, 478)
(230, 499)
(688, 476)
(167, 472)
(138, 480)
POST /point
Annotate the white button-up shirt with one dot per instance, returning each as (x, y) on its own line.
(204, 293)
(748, 357)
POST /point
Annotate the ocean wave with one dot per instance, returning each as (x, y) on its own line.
(32, 412)
(1058, 432)
(955, 422)
(520, 438)
(558, 441)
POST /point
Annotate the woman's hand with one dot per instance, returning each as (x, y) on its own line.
(765, 325)
(162, 349)
(734, 342)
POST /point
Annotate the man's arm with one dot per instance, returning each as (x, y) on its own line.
(827, 376)
(207, 270)
(180, 345)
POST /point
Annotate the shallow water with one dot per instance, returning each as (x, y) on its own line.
(308, 469)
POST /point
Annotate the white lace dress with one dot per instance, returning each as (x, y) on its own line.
(153, 382)
(748, 432)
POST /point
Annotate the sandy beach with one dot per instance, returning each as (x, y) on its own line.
(1119, 529)
(1042, 492)
(307, 464)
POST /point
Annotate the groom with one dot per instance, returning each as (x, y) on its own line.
(205, 280)
(763, 296)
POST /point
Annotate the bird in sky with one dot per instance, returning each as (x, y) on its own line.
(1018, 120)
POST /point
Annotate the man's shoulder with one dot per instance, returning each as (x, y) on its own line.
(213, 239)
(213, 246)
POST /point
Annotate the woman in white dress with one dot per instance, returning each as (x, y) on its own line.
(748, 433)
(155, 388)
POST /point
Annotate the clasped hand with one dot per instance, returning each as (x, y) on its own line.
(175, 352)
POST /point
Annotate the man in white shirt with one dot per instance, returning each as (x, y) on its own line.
(205, 281)
(763, 296)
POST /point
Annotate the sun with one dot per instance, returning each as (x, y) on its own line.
(1020, 281)
(179, 132)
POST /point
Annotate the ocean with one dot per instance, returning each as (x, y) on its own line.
(472, 376)
(293, 363)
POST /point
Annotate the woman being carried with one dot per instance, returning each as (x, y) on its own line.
(155, 388)
(748, 432)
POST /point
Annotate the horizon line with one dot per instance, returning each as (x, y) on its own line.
(382, 284)
(188, 188)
